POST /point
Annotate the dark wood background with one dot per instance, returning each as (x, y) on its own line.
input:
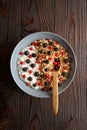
(18, 18)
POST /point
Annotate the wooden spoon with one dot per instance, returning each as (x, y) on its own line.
(55, 92)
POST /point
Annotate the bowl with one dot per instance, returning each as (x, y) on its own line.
(25, 42)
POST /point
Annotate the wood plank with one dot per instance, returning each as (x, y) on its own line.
(70, 23)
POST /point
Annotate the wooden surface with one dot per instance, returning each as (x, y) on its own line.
(18, 18)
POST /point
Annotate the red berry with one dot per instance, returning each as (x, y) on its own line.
(56, 42)
(60, 79)
(30, 71)
(39, 83)
(48, 76)
(28, 83)
(34, 43)
(50, 58)
(21, 62)
(40, 68)
(21, 53)
(30, 56)
(43, 56)
(50, 47)
(65, 67)
(57, 54)
(58, 63)
(52, 70)
(37, 61)
(44, 89)
(55, 63)
(23, 76)
(63, 53)
(31, 48)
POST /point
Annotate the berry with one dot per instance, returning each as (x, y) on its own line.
(57, 54)
(50, 47)
(30, 78)
(48, 76)
(32, 65)
(28, 83)
(50, 58)
(45, 45)
(40, 51)
(56, 42)
(27, 61)
(31, 48)
(52, 43)
(49, 52)
(25, 69)
(37, 61)
(36, 73)
(64, 74)
(40, 68)
(21, 53)
(34, 85)
(26, 53)
(34, 55)
(63, 53)
(56, 67)
(30, 71)
(47, 83)
(30, 56)
(56, 59)
(43, 56)
(39, 83)
(55, 48)
(66, 60)
(46, 69)
(46, 61)
(21, 62)
(34, 43)
(23, 76)
(55, 63)
(60, 79)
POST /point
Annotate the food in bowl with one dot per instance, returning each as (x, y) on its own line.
(38, 61)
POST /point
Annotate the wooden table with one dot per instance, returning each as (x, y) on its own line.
(18, 18)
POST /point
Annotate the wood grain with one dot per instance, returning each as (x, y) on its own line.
(18, 18)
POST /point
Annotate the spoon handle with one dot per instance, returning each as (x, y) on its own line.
(55, 92)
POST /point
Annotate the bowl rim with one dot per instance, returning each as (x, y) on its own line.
(43, 32)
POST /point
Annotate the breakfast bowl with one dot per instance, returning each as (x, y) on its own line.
(26, 42)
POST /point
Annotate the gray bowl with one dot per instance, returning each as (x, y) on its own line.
(26, 41)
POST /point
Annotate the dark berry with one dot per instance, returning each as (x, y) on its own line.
(32, 65)
(38, 44)
(46, 61)
(44, 52)
(40, 51)
(30, 78)
(66, 60)
(56, 67)
(64, 74)
(45, 45)
(34, 55)
(36, 73)
(49, 52)
(25, 69)
(47, 83)
(26, 53)
(28, 61)
(43, 76)
(46, 69)
(34, 85)
(52, 43)
(56, 59)
(55, 48)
